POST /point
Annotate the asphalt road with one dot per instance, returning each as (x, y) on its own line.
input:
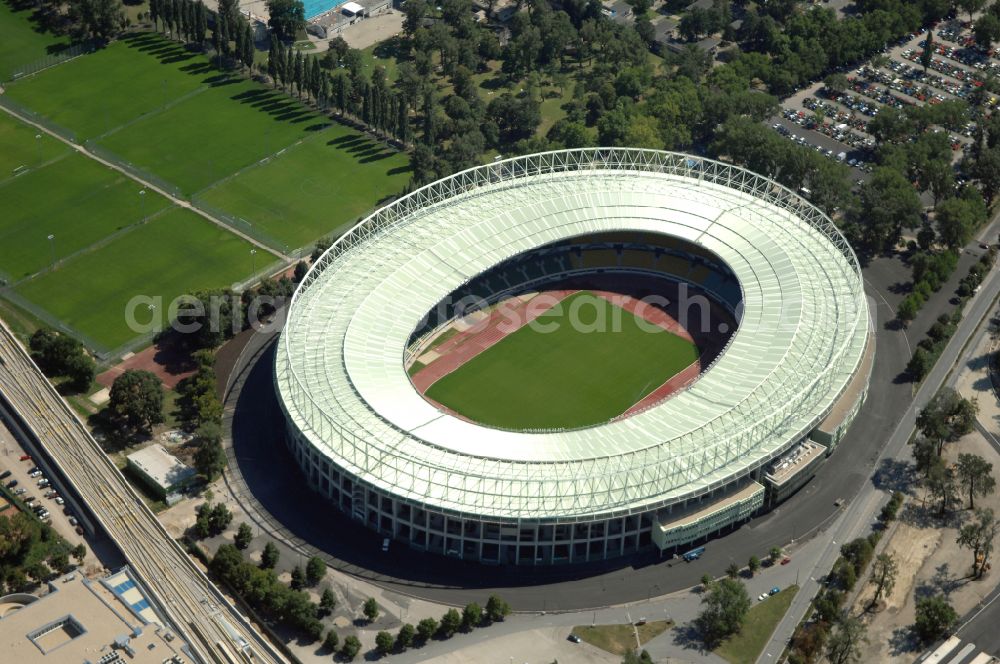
(270, 487)
(895, 456)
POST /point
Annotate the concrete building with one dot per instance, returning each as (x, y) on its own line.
(80, 621)
(161, 471)
(675, 473)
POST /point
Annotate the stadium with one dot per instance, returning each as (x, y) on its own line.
(462, 371)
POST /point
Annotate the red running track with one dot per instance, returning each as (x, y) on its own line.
(506, 318)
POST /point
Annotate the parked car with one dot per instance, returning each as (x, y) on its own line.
(762, 597)
(43, 483)
(4, 475)
(786, 560)
(37, 473)
(11, 484)
(59, 500)
(775, 590)
(72, 521)
(574, 638)
(79, 530)
(25, 457)
(21, 492)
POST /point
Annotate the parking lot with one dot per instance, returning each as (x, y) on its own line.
(29, 483)
(837, 123)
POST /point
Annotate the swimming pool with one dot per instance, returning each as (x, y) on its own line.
(316, 7)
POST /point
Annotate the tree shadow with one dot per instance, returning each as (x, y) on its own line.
(904, 640)
(894, 475)
(688, 636)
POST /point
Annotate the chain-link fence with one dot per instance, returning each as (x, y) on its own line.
(15, 298)
(51, 60)
(107, 155)
(37, 118)
(244, 226)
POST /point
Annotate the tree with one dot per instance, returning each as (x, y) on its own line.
(427, 628)
(733, 571)
(370, 609)
(934, 617)
(947, 417)
(384, 642)
(298, 580)
(836, 82)
(753, 565)
(451, 621)
(351, 648)
(927, 55)
(331, 641)
(315, 570)
(219, 518)
(883, 577)
(287, 17)
(98, 19)
(632, 657)
(269, 556)
(244, 534)
(472, 615)
(327, 601)
(496, 608)
(725, 607)
(79, 552)
(941, 482)
(978, 537)
(987, 30)
(136, 400)
(975, 475)
(970, 7)
(209, 459)
(774, 555)
(888, 205)
(956, 222)
(845, 641)
(404, 639)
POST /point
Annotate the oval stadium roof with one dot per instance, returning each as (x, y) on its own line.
(804, 325)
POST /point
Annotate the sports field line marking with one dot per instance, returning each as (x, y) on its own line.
(180, 202)
(30, 169)
(153, 113)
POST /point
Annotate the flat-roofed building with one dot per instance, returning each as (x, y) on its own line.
(789, 473)
(81, 620)
(162, 471)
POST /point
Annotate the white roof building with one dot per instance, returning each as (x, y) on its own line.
(803, 329)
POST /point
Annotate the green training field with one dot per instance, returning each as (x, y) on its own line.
(585, 371)
(96, 93)
(314, 187)
(20, 150)
(177, 252)
(73, 198)
(22, 43)
(214, 133)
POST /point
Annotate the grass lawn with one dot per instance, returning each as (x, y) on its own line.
(23, 42)
(176, 252)
(75, 199)
(619, 639)
(314, 187)
(94, 94)
(760, 623)
(19, 149)
(215, 133)
(581, 363)
(384, 54)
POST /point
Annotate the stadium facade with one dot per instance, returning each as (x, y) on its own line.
(746, 434)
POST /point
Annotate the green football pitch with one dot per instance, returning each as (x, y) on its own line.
(579, 364)
(176, 252)
(22, 43)
(333, 176)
